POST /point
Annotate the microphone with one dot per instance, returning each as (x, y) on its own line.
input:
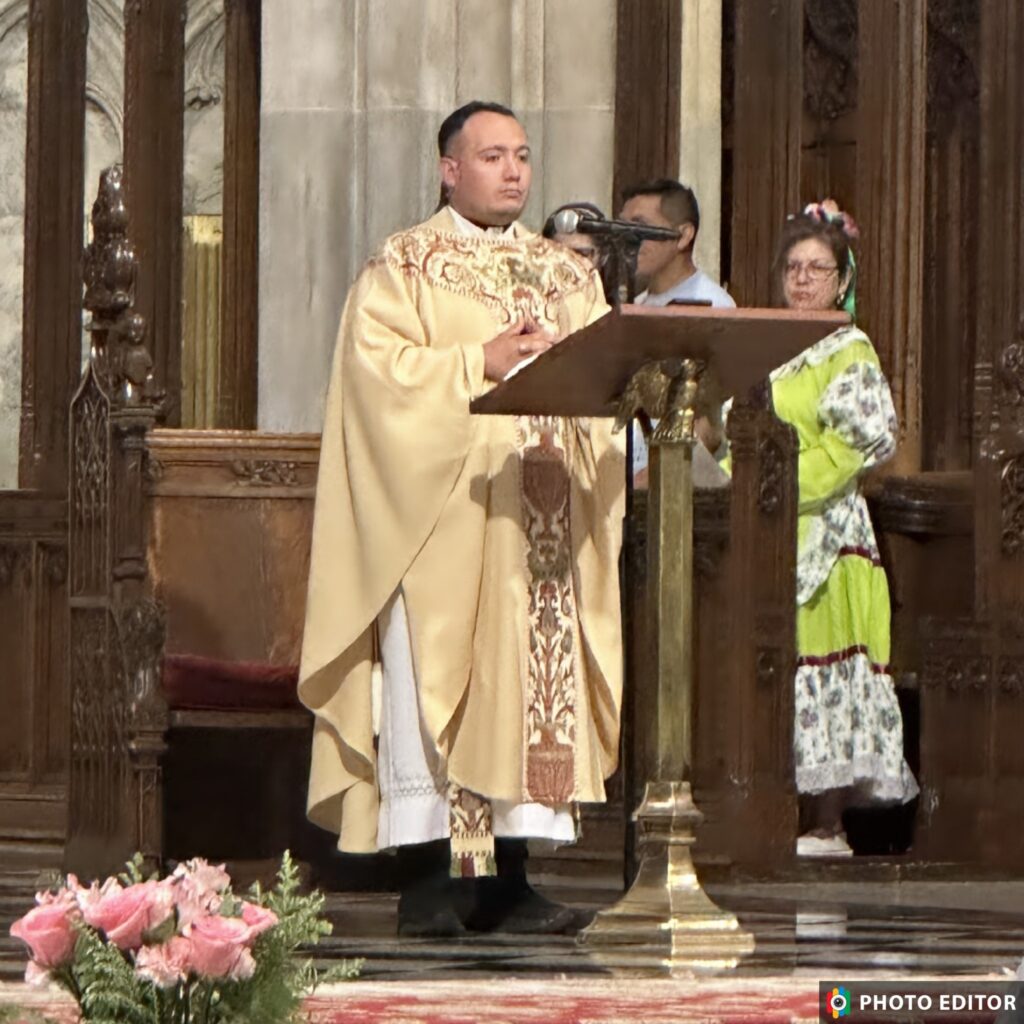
(571, 222)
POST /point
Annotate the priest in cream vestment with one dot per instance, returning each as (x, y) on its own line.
(473, 557)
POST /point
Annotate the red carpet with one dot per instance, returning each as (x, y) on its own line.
(577, 1000)
(571, 1001)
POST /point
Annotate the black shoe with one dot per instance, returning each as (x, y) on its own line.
(426, 923)
(508, 904)
(431, 904)
(529, 913)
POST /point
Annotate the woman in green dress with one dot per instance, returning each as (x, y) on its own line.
(848, 740)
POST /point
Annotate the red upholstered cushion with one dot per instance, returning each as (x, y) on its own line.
(191, 681)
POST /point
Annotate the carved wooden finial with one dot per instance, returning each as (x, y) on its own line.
(109, 257)
(120, 355)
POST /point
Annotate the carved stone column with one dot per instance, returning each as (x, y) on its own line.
(700, 123)
(13, 113)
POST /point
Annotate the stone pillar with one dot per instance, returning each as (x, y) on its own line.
(353, 93)
(311, 209)
(13, 105)
(700, 123)
(104, 99)
(577, 106)
(104, 123)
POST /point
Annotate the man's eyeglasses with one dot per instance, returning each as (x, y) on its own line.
(815, 271)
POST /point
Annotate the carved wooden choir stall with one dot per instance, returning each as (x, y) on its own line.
(912, 114)
(187, 583)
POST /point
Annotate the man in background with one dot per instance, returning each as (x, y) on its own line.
(665, 270)
(667, 273)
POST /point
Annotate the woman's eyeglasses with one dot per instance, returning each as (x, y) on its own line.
(815, 271)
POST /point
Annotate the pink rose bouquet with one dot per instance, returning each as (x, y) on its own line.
(179, 949)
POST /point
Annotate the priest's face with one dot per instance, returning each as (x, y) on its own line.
(487, 170)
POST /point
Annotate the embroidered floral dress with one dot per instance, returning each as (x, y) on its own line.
(849, 730)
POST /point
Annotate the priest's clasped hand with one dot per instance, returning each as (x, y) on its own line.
(520, 341)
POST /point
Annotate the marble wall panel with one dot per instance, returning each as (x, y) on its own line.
(382, 76)
(13, 97)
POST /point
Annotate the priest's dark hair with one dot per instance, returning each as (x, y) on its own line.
(456, 120)
(454, 123)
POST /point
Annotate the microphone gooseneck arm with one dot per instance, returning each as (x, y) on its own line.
(569, 222)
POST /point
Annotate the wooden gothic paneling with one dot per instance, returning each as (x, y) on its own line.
(767, 111)
(154, 175)
(999, 473)
(743, 773)
(999, 374)
(238, 384)
(647, 84)
(973, 671)
(890, 201)
(950, 232)
(828, 145)
(33, 641)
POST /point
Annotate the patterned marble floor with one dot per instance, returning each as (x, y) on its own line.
(853, 929)
(811, 928)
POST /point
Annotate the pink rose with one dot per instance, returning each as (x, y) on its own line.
(125, 915)
(245, 967)
(49, 929)
(36, 976)
(197, 888)
(167, 964)
(204, 877)
(258, 918)
(191, 903)
(220, 947)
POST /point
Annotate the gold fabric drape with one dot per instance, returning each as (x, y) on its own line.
(201, 325)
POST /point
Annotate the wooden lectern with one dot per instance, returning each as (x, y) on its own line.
(671, 364)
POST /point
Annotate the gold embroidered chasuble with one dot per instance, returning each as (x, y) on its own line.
(503, 533)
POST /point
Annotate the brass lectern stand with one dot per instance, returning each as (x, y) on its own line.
(670, 364)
